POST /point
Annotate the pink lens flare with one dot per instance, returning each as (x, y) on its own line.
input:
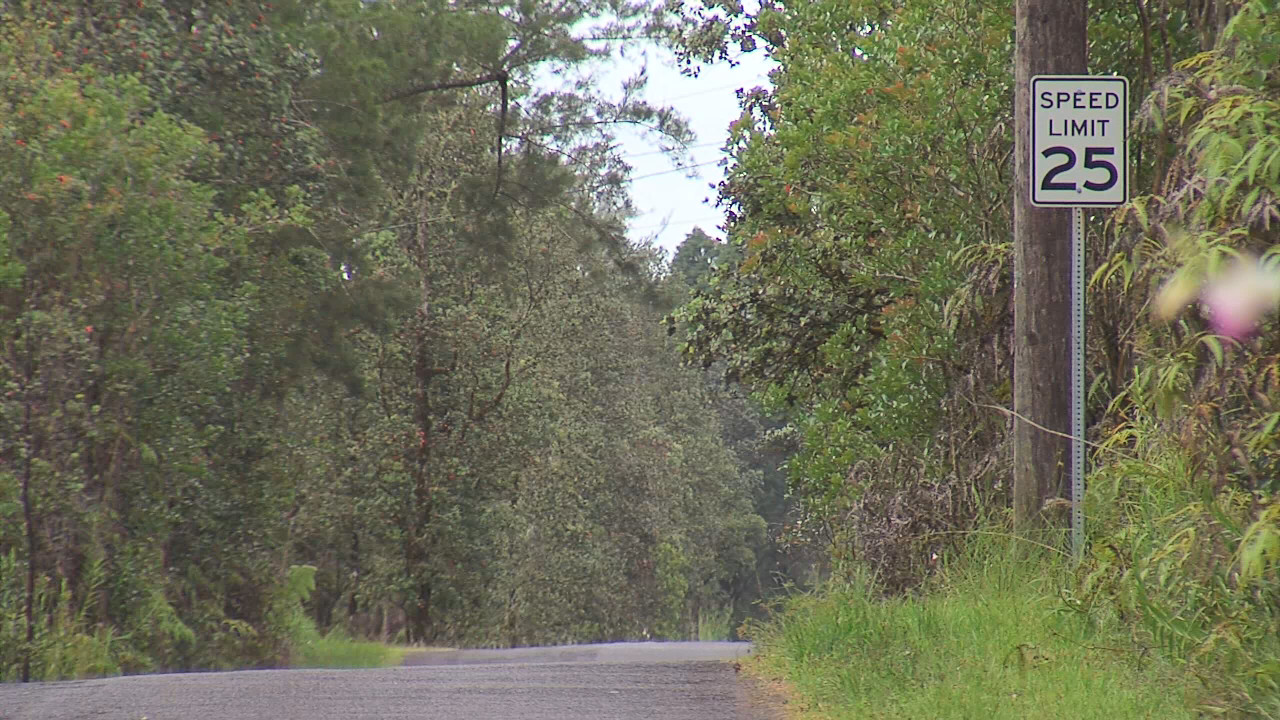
(1236, 301)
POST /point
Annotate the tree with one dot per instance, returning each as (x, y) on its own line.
(330, 326)
(118, 333)
(866, 306)
(463, 204)
(698, 256)
(754, 439)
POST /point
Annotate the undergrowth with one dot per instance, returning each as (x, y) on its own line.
(307, 647)
(71, 647)
(990, 638)
(715, 625)
(1192, 569)
(337, 650)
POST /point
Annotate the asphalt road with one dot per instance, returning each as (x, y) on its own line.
(623, 681)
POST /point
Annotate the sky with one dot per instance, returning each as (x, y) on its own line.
(670, 201)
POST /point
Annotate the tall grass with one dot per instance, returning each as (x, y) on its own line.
(991, 640)
(715, 625)
(337, 650)
(1195, 570)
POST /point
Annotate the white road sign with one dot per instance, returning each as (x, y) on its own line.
(1079, 140)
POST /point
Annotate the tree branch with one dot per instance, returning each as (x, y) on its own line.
(495, 76)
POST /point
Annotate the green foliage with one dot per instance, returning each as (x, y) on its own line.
(1184, 498)
(715, 626)
(671, 570)
(698, 256)
(870, 304)
(491, 500)
(869, 201)
(309, 327)
(71, 645)
(872, 230)
(11, 271)
(1189, 571)
(336, 650)
(990, 639)
(286, 616)
(122, 331)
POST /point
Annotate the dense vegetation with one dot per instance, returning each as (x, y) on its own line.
(991, 638)
(870, 204)
(319, 316)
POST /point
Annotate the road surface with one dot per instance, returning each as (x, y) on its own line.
(623, 681)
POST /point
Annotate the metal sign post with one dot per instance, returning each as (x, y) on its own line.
(1077, 381)
(1079, 158)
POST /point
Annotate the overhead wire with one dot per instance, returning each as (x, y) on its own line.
(675, 170)
(662, 152)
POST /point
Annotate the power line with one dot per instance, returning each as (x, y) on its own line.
(661, 152)
(686, 168)
(734, 86)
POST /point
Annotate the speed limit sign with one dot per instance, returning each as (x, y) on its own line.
(1079, 140)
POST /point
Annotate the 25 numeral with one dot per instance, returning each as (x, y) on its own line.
(1091, 162)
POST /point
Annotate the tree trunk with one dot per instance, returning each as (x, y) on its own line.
(421, 514)
(28, 513)
(1051, 40)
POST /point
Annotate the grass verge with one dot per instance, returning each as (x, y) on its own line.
(990, 640)
(336, 650)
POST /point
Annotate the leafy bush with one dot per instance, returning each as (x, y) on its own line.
(1187, 536)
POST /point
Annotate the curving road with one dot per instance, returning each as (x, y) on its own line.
(623, 681)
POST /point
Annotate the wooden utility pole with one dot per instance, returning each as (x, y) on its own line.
(1051, 38)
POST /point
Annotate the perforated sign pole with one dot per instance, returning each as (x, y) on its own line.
(1077, 381)
(1079, 158)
